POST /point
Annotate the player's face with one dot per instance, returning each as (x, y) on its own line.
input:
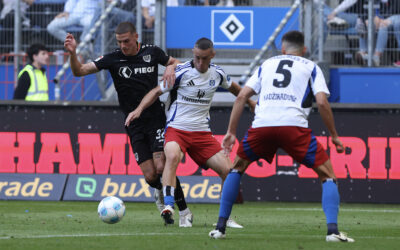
(127, 42)
(202, 59)
(42, 58)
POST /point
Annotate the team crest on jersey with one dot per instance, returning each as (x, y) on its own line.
(201, 93)
(212, 83)
(147, 58)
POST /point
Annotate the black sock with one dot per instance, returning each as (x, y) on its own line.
(179, 196)
(332, 228)
(221, 224)
(156, 183)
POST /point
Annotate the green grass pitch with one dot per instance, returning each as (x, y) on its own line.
(268, 225)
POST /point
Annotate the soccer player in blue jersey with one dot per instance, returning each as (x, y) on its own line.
(286, 85)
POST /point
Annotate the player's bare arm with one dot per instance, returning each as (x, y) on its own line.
(169, 73)
(147, 100)
(235, 89)
(78, 69)
(230, 137)
(327, 116)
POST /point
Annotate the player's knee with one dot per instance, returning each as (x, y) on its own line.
(173, 159)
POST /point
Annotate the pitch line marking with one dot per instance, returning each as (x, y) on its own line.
(186, 233)
(341, 210)
(89, 235)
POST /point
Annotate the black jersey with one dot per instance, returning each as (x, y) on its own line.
(134, 76)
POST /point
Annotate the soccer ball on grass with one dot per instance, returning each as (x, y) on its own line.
(111, 209)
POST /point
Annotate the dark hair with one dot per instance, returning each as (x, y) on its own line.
(125, 27)
(204, 43)
(294, 37)
(34, 49)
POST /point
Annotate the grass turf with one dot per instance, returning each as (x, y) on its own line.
(272, 225)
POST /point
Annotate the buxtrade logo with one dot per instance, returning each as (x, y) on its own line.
(85, 187)
(232, 27)
(125, 72)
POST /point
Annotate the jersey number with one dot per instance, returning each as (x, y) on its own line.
(287, 76)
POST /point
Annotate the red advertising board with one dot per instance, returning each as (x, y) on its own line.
(82, 139)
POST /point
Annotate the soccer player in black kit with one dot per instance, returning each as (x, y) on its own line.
(134, 70)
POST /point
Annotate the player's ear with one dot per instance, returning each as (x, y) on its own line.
(213, 53)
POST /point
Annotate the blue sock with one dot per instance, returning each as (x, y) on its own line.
(169, 198)
(229, 193)
(330, 204)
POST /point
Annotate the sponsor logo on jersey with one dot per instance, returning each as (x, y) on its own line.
(191, 83)
(201, 93)
(212, 83)
(147, 58)
(143, 70)
(125, 72)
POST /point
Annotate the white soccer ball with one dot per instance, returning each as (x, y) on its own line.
(111, 209)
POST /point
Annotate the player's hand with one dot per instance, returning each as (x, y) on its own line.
(338, 143)
(133, 116)
(169, 76)
(70, 43)
(228, 142)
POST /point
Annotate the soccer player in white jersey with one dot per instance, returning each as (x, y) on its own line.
(286, 86)
(188, 119)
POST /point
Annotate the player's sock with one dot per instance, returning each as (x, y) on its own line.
(330, 205)
(179, 196)
(228, 197)
(169, 196)
(156, 183)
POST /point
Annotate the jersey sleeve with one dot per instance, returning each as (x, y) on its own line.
(226, 80)
(178, 79)
(103, 62)
(318, 81)
(255, 81)
(162, 56)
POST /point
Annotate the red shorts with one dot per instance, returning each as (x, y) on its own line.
(298, 142)
(201, 145)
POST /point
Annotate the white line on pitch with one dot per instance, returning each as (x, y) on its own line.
(342, 210)
(90, 235)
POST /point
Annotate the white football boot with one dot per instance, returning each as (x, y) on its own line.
(231, 223)
(341, 237)
(185, 218)
(216, 234)
(159, 199)
(168, 215)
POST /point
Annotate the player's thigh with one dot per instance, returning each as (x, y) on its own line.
(159, 161)
(140, 143)
(220, 163)
(173, 153)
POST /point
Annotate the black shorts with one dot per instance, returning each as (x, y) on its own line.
(146, 138)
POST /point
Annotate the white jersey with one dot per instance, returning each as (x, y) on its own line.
(286, 86)
(190, 98)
